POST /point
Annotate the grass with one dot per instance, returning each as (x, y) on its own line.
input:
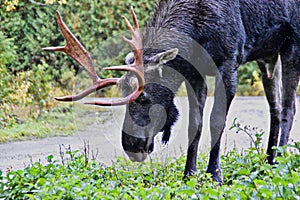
(59, 121)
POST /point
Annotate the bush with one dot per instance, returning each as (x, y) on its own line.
(249, 80)
(7, 54)
(24, 89)
(33, 26)
(29, 74)
(25, 94)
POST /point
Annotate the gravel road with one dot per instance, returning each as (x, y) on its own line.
(104, 136)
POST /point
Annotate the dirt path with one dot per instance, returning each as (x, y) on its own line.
(104, 137)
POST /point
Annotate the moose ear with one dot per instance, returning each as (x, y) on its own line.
(165, 56)
(129, 59)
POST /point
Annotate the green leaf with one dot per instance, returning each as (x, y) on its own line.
(192, 182)
(276, 180)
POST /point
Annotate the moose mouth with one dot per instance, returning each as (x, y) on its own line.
(137, 157)
(141, 155)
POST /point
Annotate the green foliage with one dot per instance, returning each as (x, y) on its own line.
(29, 77)
(79, 176)
(250, 177)
(33, 26)
(23, 94)
(249, 80)
(255, 134)
(39, 87)
(7, 50)
(7, 55)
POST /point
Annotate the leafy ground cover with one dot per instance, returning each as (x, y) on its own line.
(78, 176)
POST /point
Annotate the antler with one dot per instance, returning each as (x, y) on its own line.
(75, 49)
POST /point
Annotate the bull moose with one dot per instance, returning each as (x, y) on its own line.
(195, 39)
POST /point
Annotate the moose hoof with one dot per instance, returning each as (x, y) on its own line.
(189, 173)
(216, 176)
(218, 179)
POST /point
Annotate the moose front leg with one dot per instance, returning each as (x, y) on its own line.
(197, 92)
(224, 93)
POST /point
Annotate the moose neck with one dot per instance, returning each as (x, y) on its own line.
(170, 26)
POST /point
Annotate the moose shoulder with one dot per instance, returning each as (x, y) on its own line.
(184, 41)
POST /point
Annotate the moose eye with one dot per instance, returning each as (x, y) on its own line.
(143, 98)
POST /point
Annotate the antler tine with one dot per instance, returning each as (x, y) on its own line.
(74, 49)
(136, 42)
(98, 85)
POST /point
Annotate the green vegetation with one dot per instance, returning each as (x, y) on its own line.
(249, 81)
(30, 77)
(78, 176)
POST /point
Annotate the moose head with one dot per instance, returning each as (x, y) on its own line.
(150, 107)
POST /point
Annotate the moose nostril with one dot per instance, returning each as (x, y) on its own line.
(151, 147)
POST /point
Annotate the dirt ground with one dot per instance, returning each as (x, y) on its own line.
(104, 137)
